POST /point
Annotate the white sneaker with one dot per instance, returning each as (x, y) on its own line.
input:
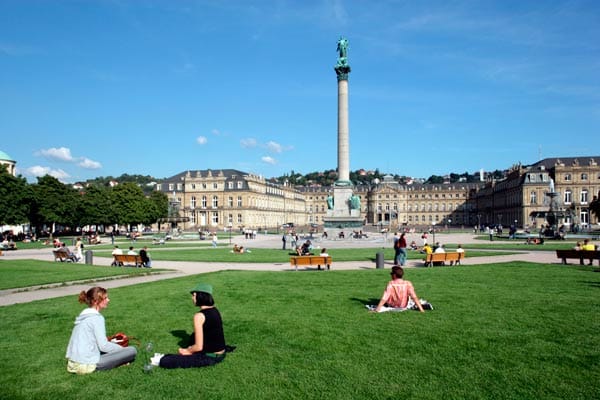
(156, 359)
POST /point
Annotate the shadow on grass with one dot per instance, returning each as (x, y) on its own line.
(364, 302)
(185, 339)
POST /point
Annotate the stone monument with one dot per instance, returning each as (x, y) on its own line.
(343, 206)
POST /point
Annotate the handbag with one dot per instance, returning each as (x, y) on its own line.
(119, 338)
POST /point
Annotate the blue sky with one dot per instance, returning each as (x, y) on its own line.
(104, 87)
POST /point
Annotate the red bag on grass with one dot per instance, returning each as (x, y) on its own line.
(119, 338)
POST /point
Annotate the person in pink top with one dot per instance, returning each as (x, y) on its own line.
(398, 291)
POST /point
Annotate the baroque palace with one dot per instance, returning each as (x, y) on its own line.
(221, 198)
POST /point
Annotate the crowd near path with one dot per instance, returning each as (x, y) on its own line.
(182, 268)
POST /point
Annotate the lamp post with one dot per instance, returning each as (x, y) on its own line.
(433, 226)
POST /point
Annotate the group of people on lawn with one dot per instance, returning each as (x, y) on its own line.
(89, 349)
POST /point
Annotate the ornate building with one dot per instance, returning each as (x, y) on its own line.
(222, 198)
(524, 196)
(10, 164)
(230, 198)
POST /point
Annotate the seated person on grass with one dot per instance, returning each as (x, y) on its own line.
(208, 341)
(89, 349)
(240, 249)
(399, 295)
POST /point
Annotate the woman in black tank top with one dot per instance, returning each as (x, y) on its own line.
(208, 341)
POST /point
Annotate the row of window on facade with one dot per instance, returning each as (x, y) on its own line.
(215, 202)
(425, 219)
(567, 197)
(566, 177)
(215, 186)
(201, 218)
(583, 176)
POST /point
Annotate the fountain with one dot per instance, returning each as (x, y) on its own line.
(173, 217)
(554, 213)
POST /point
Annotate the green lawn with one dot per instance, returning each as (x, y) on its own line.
(224, 254)
(24, 273)
(502, 331)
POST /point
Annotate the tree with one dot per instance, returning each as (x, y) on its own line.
(435, 179)
(159, 207)
(96, 206)
(129, 204)
(15, 199)
(54, 203)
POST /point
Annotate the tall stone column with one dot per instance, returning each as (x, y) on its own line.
(343, 206)
(343, 132)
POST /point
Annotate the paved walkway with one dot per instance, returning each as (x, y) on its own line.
(179, 268)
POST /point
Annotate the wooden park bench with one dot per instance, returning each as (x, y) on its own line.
(122, 259)
(63, 255)
(310, 260)
(441, 258)
(580, 255)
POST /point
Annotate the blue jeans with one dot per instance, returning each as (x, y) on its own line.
(403, 255)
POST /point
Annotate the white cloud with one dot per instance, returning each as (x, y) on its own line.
(201, 140)
(216, 132)
(248, 143)
(61, 154)
(274, 147)
(89, 164)
(269, 160)
(38, 170)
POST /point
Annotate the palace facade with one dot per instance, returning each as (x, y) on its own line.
(221, 198)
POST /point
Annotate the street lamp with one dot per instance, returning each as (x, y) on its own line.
(433, 225)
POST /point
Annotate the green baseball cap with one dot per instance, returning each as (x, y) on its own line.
(202, 287)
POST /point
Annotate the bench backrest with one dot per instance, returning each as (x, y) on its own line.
(127, 257)
(307, 260)
(570, 253)
(450, 256)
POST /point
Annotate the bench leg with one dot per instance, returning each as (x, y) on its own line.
(318, 267)
(327, 267)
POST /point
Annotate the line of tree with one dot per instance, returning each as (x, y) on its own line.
(328, 177)
(50, 203)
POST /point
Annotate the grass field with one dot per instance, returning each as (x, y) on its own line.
(500, 331)
(24, 273)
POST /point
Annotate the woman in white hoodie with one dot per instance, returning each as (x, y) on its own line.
(89, 349)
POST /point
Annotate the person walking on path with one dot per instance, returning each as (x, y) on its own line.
(284, 240)
(402, 249)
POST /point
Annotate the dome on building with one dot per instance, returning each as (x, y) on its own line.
(5, 157)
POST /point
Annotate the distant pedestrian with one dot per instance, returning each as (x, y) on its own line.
(284, 240)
